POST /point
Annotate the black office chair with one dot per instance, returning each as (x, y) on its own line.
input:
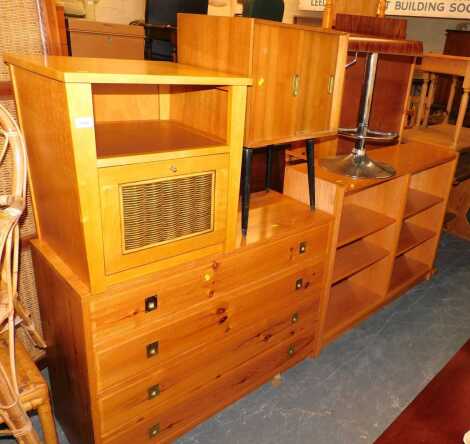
(160, 25)
(264, 9)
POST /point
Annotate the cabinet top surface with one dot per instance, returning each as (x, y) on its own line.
(256, 21)
(408, 158)
(91, 70)
(93, 26)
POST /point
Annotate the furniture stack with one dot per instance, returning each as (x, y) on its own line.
(157, 312)
(298, 75)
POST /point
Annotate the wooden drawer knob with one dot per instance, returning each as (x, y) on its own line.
(208, 276)
(295, 318)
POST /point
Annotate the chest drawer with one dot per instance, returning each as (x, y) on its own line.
(180, 379)
(120, 357)
(165, 426)
(126, 308)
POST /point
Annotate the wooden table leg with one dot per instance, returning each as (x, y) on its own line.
(430, 99)
(422, 100)
(461, 117)
(450, 102)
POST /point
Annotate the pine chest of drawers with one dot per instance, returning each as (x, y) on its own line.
(151, 358)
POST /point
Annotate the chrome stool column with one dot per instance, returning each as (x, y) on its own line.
(357, 164)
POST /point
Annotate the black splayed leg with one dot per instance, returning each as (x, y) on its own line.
(246, 177)
(269, 167)
(311, 172)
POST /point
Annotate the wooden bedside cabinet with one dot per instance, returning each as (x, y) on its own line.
(149, 155)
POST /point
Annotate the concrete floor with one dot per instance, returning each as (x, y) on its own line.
(361, 382)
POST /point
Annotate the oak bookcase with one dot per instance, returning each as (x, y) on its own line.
(386, 232)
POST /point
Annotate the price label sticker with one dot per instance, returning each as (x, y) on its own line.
(83, 122)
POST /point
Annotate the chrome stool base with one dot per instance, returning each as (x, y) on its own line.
(358, 167)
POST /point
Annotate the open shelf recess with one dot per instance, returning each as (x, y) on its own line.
(419, 201)
(355, 257)
(358, 222)
(411, 236)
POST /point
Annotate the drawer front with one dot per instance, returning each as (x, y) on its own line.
(126, 309)
(237, 269)
(181, 378)
(86, 44)
(119, 358)
(173, 421)
(159, 210)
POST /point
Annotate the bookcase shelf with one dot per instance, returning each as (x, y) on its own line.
(358, 222)
(411, 236)
(419, 201)
(355, 257)
(349, 303)
(119, 139)
(406, 272)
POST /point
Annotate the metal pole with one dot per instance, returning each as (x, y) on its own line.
(366, 103)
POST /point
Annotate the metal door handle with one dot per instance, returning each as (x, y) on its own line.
(296, 85)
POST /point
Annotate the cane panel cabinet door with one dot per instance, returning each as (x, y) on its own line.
(297, 71)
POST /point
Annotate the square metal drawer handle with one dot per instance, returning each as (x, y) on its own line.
(151, 303)
(153, 391)
(152, 349)
(154, 431)
(291, 350)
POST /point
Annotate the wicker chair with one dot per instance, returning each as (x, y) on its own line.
(22, 387)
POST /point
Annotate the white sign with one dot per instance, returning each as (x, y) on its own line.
(458, 9)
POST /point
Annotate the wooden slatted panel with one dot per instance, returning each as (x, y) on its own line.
(165, 210)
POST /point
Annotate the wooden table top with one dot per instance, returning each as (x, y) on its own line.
(407, 158)
(365, 43)
(446, 64)
(91, 70)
